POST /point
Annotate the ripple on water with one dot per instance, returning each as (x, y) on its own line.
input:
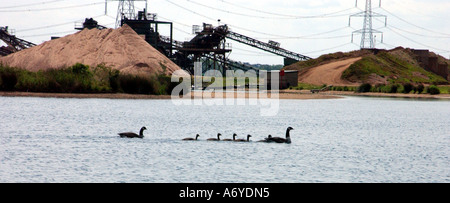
(348, 140)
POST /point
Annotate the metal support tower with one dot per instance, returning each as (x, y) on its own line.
(269, 47)
(125, 10)
(367, 32)
(14, 44)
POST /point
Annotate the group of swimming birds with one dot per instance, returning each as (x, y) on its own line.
(269, 139)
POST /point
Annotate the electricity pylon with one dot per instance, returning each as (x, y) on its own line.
(367, 32)
(125, 9)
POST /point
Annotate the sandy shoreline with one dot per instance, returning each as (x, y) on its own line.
(373, 94)
(284, 94)
(194, 95)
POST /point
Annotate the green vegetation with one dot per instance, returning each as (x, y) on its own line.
(266, 66)
(394, 67)
(444, 89)
(305, 86)
(407, 88)
(433, 90)
(81, 78)
(366, 87)
(226, 81)
(344, 88)
(401, 88)
(327, 58)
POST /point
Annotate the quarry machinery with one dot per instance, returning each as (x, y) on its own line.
(14, 44)
(272, 46)
(146, 24)
(209, 44)
(89, 23)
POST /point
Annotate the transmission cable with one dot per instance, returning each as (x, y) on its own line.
(315, 35)
(48, 9)
(233, 26)
(418, 34)
(415, 40)
(268, 17)
(54, 25)
(33, 4)
(332, 14)
(423, 28)
(327, 49)
(48, 34)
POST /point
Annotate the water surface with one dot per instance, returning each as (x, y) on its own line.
(341, 140)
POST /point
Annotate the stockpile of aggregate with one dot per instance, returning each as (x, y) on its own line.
(122, 49)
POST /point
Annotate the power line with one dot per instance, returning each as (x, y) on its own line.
(48, 9)
(331, 48)
(271, 17)
(229, 12)
(315, 35)
(254, 52)
(196, 13)
(418, 34)
(332, 14)
(416, 41)
(420, 27)
(242, 28)
(185, 32)
(308, 38)
(233, 26)
(265, 55)
(33, 4)
(54, 25)
(415, 10)
(48, 34)
(164, 18)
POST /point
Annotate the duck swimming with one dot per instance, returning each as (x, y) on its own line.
(244, 140)
(133, 135)
(286, 140)
(191, 139)
(214, 139)
(266, 139)
(234, 138)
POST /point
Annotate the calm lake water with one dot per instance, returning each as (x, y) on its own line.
(341, 140)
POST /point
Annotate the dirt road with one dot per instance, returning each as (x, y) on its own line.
(329, 74)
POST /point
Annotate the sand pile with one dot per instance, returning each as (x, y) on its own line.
(120, 49)
(329, 73)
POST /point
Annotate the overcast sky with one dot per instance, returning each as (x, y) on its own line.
(310, 27)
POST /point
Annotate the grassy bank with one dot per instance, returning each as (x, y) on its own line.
(81, 78)
(394, 67)
(407, 88)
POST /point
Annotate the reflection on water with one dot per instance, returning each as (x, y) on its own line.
(343, 140)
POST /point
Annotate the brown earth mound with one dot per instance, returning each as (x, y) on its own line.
(329, 73)
(121, 49)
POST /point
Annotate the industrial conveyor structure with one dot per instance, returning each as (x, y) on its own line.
(209, 44)
(271, 46)
(14, 44)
